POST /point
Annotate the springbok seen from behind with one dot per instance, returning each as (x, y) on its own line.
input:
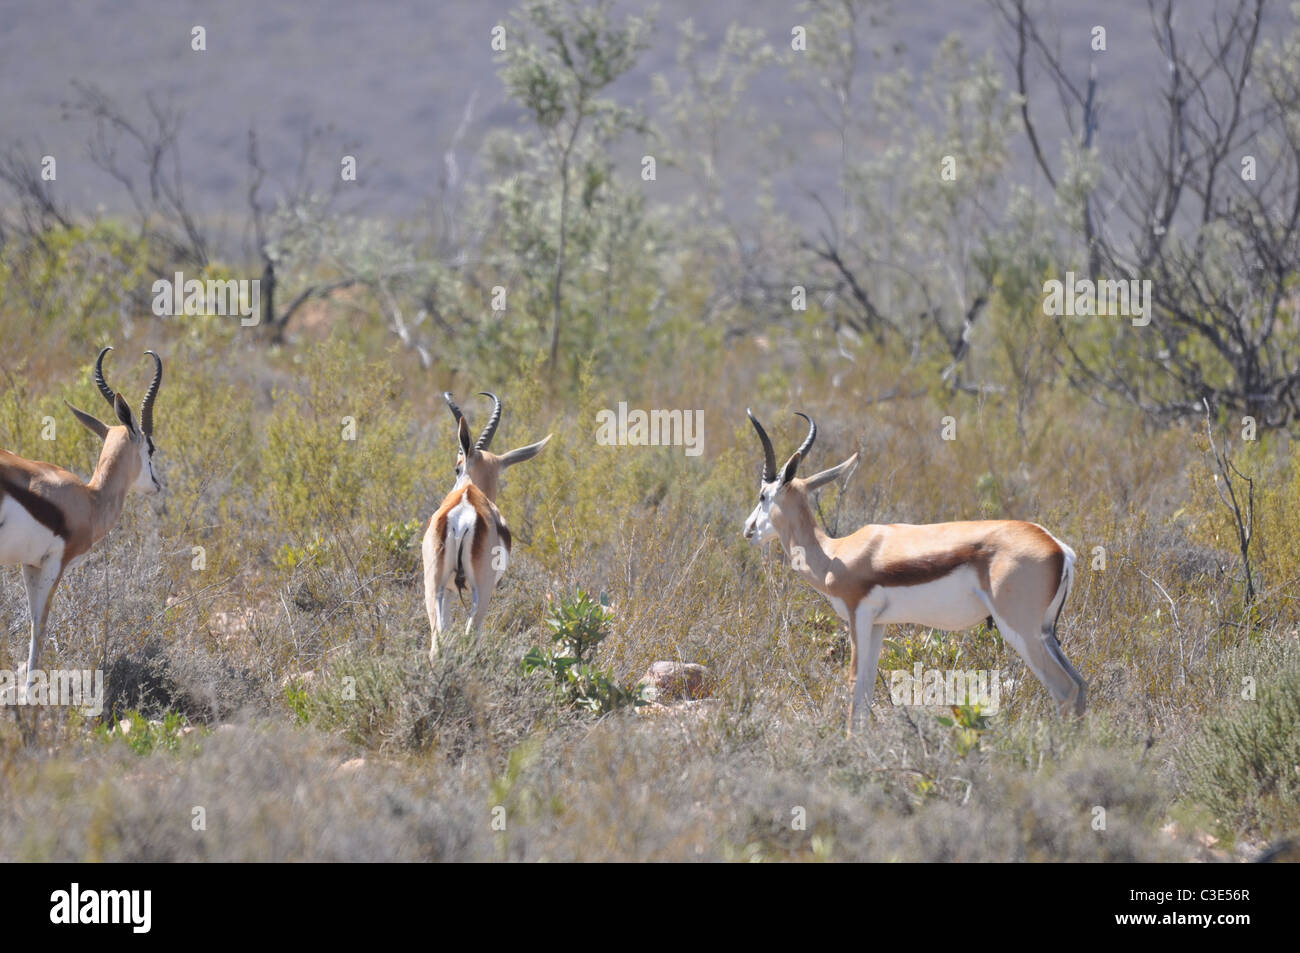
(50, 519)
(467, 541)
(947, 576)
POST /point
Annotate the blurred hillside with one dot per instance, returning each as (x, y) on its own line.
(395, 79)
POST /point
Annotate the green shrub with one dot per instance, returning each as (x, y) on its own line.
(578, 625)
(1245, 766)
(142, 735)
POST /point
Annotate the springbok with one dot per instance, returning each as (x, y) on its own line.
(49, 519)
(467, 540)
(479, 465)
(947, 576)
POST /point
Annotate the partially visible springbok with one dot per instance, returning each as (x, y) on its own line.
(946, 576)
(50, 519)
(467, 542)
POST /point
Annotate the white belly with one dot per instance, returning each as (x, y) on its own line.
(950, 603)
(24, 541)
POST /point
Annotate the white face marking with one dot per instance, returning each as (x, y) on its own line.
(147, 481)
(758, 528)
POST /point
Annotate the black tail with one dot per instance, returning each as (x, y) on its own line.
(1066, 581)
(460, 570)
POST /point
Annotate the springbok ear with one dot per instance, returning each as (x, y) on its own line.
(819, 480)
(524, 453)
(123, 411)
(462, 433)
(93, 424)
(790, 468)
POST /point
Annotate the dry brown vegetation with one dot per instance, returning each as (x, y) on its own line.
(262, 627)
(311, 568)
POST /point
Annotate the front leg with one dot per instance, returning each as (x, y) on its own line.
(40, 581)
(868, 657)
(868, 662)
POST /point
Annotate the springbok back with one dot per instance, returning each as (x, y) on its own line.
(467, 542)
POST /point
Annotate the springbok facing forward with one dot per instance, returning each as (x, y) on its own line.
(467, 540)
(946, 576)
(49, 519)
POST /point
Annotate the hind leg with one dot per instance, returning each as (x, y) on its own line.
(1080, 698)
(435, 591)
(438, 621)
(482, 597)
(486, 578)
(1037, 647)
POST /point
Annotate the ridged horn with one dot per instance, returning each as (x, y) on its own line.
(455, 411)
(146, 408)
(485, 438)
(99, 379)
(812, 436)
(769, 455)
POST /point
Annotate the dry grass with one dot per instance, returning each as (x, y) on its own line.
(311, 555)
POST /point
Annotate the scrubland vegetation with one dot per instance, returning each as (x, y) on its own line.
(262, 627)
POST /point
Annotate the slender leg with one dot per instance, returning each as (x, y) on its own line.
(479, 610)
(853, 654)
(435, 589)
(870, 638)
(40, 581)
(853, 672)
(868, 660)
(1079, 699)
(436, 620)
(440, 610)
(1044, 658)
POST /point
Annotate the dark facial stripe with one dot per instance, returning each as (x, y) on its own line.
(42, 510)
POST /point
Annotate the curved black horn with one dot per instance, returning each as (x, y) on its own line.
(485, 438)
(146, 408)
(99, 379)
(769, 455)
(455, 411)
(812, 435)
